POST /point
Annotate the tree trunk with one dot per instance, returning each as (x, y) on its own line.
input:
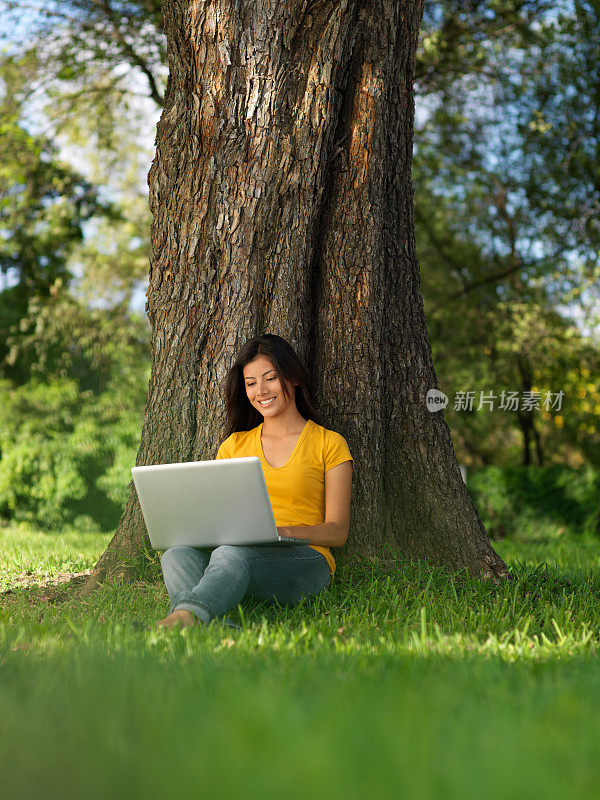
(282, 202)
(525, 423)
(538, 445)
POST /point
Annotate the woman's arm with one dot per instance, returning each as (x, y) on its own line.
(334, 531)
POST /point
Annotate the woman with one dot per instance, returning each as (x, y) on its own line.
(308, 472)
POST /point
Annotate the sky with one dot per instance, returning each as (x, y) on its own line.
(16, 24)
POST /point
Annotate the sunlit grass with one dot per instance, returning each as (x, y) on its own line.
(403, 683)
(46, 553)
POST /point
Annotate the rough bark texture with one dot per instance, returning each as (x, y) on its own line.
(282, 202)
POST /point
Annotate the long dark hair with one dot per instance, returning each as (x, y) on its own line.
(241, 415)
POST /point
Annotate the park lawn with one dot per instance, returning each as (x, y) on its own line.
(406, 684)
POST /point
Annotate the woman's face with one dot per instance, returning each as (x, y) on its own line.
(264, 389)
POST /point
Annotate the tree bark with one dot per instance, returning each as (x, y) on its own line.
(282, 202)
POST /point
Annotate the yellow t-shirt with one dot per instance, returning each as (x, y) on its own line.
(296, 490)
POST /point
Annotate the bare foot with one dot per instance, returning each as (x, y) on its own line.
(179, 617)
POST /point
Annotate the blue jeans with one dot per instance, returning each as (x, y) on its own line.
(211, 581)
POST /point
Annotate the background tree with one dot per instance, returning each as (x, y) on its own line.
(73, 374)
(90, 51)
(501, 210)
(282, 200)
(43, 206)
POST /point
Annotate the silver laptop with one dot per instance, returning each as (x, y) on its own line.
(207, 504)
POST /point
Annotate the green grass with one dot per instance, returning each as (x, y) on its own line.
(404, 684)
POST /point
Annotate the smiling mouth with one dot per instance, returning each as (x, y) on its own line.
(266, 402)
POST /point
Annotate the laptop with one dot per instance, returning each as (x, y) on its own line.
(207, 504)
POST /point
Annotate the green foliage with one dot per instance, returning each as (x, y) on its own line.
(61, 337)
(85, 45)
(98, 60)
(66, 454)
(537, 502)
(518, 347)
(43, 200)
(460, 40)
(44, 204)
(73, 359)
(69, 435)
(507, 239)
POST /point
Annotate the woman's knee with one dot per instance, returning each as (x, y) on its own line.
(290, 580)
(176, 554)
(231, 554)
